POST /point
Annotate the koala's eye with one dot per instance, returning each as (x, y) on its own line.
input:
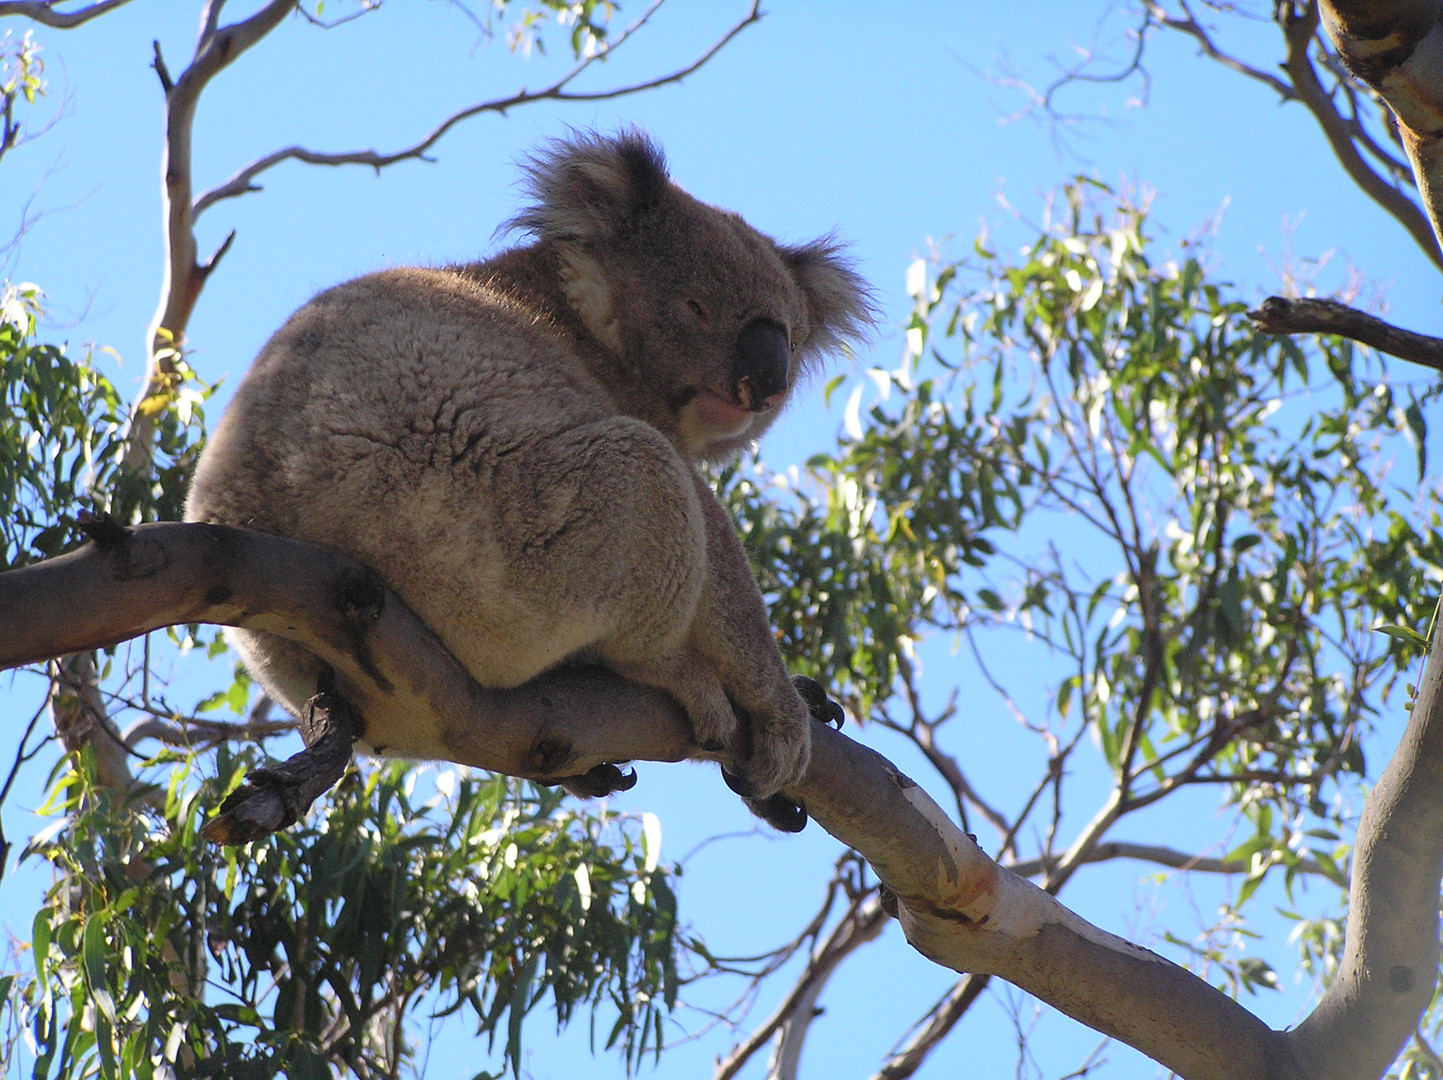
(697, 310)
(792, 345)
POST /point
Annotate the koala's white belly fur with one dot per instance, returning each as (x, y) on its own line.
(431, 430)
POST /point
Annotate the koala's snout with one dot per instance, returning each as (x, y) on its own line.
(759, 375)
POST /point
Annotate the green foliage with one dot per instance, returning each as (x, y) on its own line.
(318, 950)
(1195, 528)
(311, 951)
(63, 444)
(22, 71)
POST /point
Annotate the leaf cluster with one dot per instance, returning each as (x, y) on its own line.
(314, 951)
(63, 439)
(1192, 529)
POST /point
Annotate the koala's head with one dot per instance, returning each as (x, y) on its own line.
(711, 322)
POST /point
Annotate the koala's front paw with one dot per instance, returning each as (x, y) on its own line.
(778, 750)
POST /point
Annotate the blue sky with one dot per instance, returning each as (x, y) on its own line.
(887, 122)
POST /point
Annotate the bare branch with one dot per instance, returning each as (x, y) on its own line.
(21, 757)
(940, 1021)
(863, 922)
(1152, 853)
(219, 46)
(200, 731)
(1345, 134)
(243, 181)
(44, 11)
(1192, 28)
(1279, 315)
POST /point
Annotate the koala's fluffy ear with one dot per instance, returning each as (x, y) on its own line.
(591, 187)
(840, 305)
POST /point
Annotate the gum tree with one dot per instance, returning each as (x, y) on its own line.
(1190, 529)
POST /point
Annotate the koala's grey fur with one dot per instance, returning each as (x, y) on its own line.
(512, 445)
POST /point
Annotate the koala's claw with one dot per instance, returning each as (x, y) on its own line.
(778, 811)
(781, 813)
(818, 703)
(739, 784)
(599, 781)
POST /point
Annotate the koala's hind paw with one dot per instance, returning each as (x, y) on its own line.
(599, 781)
(818, 703)
(778, 811)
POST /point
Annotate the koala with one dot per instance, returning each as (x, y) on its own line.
(512, 445)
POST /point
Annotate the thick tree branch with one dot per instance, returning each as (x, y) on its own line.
(386, 661)
(44, 11)
(244, 180)
(1278, 315)
(1397, 48)
(1390, 960)
(957, 906)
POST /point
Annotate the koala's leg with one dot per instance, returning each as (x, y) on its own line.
(648, 549)
(732, 630)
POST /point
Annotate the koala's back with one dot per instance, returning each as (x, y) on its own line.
(425, 425)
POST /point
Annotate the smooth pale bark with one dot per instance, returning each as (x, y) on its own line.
(956, 905)
(1390, 962)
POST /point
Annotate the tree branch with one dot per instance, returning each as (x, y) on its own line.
(958, 907)
(940, 1021)
(1279, 315)
(243, 180)
(387, 662)
(1390, 959)
(217, 48)
(1195, 30)
(43, 12)
(1152, 853)
(863, 922)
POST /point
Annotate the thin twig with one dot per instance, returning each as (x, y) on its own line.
(1109, 850)
(43, 12)
(242, 181)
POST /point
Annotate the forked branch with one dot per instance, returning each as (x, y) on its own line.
(244, 179)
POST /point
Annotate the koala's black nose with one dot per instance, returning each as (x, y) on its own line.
(763, 356)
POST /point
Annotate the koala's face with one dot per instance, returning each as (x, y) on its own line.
(710, 321)
(712, 318)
